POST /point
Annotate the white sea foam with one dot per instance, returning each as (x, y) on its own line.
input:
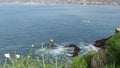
(87, 48)
(60, 49)
(56, 50)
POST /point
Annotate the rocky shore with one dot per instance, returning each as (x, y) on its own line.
(102, 42)
(99, 60)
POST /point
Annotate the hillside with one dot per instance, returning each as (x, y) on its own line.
(66, 2)
(61, 0)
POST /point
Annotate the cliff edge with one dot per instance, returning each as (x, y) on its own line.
(109, 51)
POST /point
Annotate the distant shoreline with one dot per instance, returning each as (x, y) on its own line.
(75, 3)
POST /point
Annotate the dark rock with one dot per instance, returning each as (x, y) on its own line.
(76, 49)
(101, 43)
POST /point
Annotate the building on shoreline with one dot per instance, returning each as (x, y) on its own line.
(60, 2)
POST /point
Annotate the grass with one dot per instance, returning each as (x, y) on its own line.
(32, 62)
(84, 61)
(45, 62)
(114, 47)
(88, 57)
(111, 66)
(29, 61)
(78, 62)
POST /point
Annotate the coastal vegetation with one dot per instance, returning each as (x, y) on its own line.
(108, 57)
(114, 48)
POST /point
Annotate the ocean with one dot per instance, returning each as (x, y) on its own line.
(24, 25)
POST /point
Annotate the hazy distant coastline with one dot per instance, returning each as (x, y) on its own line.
(60, 2)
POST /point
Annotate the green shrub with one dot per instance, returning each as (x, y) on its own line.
(88, 57)
(111, 66)
(113, 48)
(78, 62)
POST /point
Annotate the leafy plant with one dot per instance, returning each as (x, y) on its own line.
(32, 62)
(88, 57)
(113, 48)
(78, 62)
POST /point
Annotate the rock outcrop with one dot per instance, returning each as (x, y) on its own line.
(117, 29)
(100, 43)
(99, 60)
(76, 49)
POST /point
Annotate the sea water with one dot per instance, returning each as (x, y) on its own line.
(24, 25)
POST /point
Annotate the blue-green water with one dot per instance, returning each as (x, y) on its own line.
(22, 26)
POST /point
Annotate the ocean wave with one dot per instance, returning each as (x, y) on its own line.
(58, 49)
(62, 48)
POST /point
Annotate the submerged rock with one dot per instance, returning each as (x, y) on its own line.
(76, 49)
